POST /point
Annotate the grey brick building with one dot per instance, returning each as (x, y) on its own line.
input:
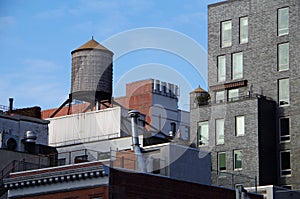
(251, 124)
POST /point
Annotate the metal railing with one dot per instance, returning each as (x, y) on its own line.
(88, 139)
(230, 180)
(4, 108)
(51, 160)
(48, 161)
(234, 99)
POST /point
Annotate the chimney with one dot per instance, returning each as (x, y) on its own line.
(134, 114)
(11, 102)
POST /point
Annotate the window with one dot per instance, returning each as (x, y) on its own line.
(237, 65)
(283, 92)
(81, 158)
(288, 186)
(156, 166)
(283, 56)
(284, 126)
(238, 159)
(221, 68)
(233, 94)
(285, 163)
(186, 134)
(283, 21)
(173, 128)
(243, 30)
(222, 161)
(220, 131)
(220, 96)
(239, 125)
(203, 133)
(61, 161)
(225, 34)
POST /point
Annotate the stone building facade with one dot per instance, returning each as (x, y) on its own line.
(251, 122)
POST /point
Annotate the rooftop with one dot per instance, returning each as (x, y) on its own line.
(199, 90)
(92, 45)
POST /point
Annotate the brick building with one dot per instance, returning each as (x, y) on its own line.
(251, 122)
(84, 180)
(124, 184)
(158, 101)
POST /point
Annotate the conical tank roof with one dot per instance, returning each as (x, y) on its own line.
(92, 45)
(199, 90)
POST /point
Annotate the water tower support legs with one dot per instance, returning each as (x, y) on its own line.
(61, 106)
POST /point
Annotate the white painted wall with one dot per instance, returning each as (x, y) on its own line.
(85, 127)
(165, 111)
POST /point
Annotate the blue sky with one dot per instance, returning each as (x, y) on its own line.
(37, 37)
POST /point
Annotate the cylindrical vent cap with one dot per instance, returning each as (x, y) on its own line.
(30, 136)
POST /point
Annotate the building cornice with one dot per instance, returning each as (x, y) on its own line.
(230, 85)
(63, 176)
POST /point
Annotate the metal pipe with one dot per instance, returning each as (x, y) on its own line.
(134, 114)
(11, 102)
(255, 181)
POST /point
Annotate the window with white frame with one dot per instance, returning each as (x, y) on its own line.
(284, 92)
(237, 65)
(243, 30)
(220, 96)
(220, 131)
(285, 163)
(186, 134)
(226, 34)
(240, 125)
(283, 21)
(221, 68)
(238, 159)
(221, 161)
(284, 128)
(233, 94)
(283, 56)
(203, 133)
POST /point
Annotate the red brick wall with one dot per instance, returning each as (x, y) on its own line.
(125, 159)
(138, 97)
(139, 87)
(31, 111)
(80, 194)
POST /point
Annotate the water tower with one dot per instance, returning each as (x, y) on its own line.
(91, 81)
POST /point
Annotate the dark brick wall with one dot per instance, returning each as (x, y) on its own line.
(126, 185)
(260, 70)
(31, 112)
